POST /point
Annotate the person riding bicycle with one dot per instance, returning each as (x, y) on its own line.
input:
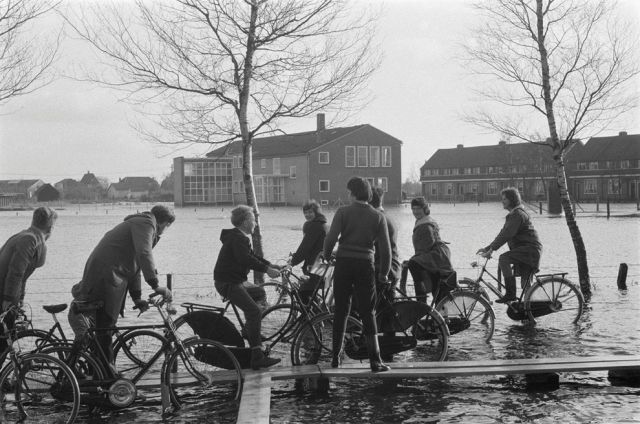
(525, 248)
(235, 260)
(19, 257)
(112, 270)
(315, 230)
(430, 266)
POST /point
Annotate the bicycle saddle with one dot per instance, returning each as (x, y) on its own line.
(54, 309)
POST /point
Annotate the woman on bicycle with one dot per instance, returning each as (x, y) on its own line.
(314, 231)
(358, 226)
(235, 260)
(524, 246)
(430, 266)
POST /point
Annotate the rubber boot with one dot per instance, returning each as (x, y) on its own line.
(374, 355)
(510, 285)
(338, 340)
(258, 360)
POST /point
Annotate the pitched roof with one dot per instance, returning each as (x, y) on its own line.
(287, 144)
(618, 147)
(89, 179)
(135, 184)
(16, 186)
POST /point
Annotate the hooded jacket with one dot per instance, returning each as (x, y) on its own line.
(314, 233)
(114, 266)
(236, 258)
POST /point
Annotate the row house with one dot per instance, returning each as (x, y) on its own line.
(133, 188)
(290, 169)
(604, 167)
(20, 189)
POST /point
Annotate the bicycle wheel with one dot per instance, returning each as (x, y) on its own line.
(554, 302)
(42, 386)
(313, 344)
(429, 329)
(468, 314)
(277, 319)
(33, 340)
(134, 350)
(83, 365)
(202, 370)
(277, 293)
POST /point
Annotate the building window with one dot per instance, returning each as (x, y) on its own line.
(263, 163)
(350, 156)
(292, 172)
(491, 188)
(449, 189)
(374, 160)
(539, 187)
(474, 188)
(582, 166)
(455, 171)
(435, 172)
(324, 202)
(384, 183)
(593, 165)
(476, 170)
(323, 157)
(371, 181)
(363, 156)
(590, 187)
(323, 186)
(433, 189)
(386, 156)
(614, 186)
(624, 164)
(276, 166)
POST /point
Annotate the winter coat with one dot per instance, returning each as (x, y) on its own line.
(430, 251)
(114, 266)
(314, 233)
(394, 272)
(236, 258)
(521, 237)
(19, 257)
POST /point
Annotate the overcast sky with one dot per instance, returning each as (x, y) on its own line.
(68, 127)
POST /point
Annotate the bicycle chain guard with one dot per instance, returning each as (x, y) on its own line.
(122, 393)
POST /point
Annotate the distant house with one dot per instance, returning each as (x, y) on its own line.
(20, 188)
(47, 193)
(292, 168)
(133, 188)
(90, 180)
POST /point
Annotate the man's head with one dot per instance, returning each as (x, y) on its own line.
(164, 217)
(377, 193)
(359, 188)
(243, 219)
(510, 198)
(44, 219)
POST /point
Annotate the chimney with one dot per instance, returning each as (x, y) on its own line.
(621, 133)
(502, 142)
(459, 146)
(320, 122)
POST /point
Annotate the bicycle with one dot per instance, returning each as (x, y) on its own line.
(405, 323)
(546, 300)
(192, 368)
(33, 385)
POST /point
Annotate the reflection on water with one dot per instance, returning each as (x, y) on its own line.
(189, 248)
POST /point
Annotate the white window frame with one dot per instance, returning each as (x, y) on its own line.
(613, 186)
(362, 153)
(324, 202)
(492, 188)
(590, 187)
(624, 164)
(263, 163)
(433, 189)
(328, 190)
(448, 189)
(346, 156)
(323, 158)
(593, 165)
(386, 159)
(276, 166)
(374, 156)
(384, 183)
(582, 166)
(539, 187)
(292, 172)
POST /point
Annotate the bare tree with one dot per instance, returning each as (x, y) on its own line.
(25, 62)
(225, 70)
(570, 62)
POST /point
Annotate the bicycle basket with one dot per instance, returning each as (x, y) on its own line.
(214, 326)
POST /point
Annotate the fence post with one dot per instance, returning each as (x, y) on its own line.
(540, 207)
(622, 276)
(608, 209)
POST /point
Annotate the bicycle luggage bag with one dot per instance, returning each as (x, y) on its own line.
(214, 326)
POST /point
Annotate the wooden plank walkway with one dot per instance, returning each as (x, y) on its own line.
(256, 395)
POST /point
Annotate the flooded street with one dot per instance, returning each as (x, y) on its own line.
(188, 251)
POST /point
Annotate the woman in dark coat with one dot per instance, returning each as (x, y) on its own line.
(430, 266)
(315, 230)
(525, 248)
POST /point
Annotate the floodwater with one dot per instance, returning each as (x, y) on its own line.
(188, 251)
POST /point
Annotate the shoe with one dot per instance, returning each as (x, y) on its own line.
(510, 295)
(375, 362)
(335, 361)
(259, 360)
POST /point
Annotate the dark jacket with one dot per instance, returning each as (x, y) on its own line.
(19, 257)
(236, 258)
(520, 236)
(394, 272)
(430, 251)
(314, 233)
(114, 265)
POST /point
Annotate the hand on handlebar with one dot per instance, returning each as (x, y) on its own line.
(141, 305)
(273, 272)
(165, 292)
(485, 253)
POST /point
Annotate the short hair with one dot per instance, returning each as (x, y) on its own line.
(311, 205)
(163, 214)
(359, 188)
(419, 202)
(44, 218)
(377, 193)
(240, 214)
(513, 195)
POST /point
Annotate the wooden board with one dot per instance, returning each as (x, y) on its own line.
(255, 404)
